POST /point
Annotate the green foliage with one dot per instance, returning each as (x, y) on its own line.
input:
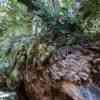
(66, 5)
(90, 8)
(14, 21)
(57, 20)
(91, 26)
(90, 15)
(14, 75)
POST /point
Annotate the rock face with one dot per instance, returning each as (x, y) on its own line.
(65, 75)
(50, 81)
(73, 67)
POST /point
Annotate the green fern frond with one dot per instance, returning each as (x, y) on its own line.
(90, 8)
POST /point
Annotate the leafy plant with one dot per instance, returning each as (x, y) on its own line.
(90, 8)
(15, 21)
(90, 13)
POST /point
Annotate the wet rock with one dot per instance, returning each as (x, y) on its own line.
(7, 95)
(90, 92)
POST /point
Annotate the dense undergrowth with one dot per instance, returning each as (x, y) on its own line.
(15, 27)
(54, 25)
